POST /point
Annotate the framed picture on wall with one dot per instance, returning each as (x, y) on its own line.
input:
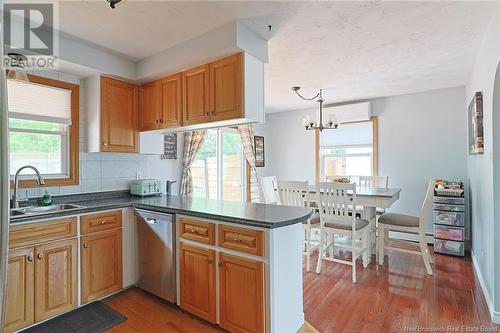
(260, 156)
(475, 122)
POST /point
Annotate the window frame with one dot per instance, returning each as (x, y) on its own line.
(73, 140)
(374, 123)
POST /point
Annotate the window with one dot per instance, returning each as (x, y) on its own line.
(219, 171)
(349, 150)
(43, 130)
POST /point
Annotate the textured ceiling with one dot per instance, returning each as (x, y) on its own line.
(353, 50)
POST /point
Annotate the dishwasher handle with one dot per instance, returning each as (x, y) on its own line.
(150, 220)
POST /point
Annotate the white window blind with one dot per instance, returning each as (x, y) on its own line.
(38, 102)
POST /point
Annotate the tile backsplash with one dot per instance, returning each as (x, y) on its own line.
(109, 171)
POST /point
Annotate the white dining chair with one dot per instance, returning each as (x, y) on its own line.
(337, 211)
(373, 181)
(268, 186)
(410, 224)
(295, 193)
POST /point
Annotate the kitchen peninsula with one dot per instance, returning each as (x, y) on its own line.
(237, 264)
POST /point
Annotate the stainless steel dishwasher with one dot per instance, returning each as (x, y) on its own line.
(156, 246)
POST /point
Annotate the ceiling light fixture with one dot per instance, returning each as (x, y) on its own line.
(16, 71)
(113, 3)
(319, 124)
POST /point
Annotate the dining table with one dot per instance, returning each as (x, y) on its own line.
(368, 199)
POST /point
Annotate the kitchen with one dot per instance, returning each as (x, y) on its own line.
(165, 172)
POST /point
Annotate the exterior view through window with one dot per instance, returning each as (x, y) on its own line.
(219, 171)
(347, 151)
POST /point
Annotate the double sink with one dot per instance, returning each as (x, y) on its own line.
(41, 210)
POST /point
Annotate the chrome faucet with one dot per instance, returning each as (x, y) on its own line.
(40, 181)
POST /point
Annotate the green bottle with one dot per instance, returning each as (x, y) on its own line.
(46, 199)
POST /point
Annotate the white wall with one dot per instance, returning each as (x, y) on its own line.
(421, 136)
(485, 232)
(111, 171)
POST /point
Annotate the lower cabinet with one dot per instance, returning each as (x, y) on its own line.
(101, 264)
(241, 290)
(41, 283)
(197, 281)
(20, 305)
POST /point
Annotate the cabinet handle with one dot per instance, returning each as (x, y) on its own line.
(192, 230)
(103, 222)
(220, 263)
(39, 256)
(236, 240)
(85, 245)
(105, 144)
(30, 258)
(161, 121)
(210, 261)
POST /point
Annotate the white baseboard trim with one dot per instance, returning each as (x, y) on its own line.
(495, 315)
(410, 237)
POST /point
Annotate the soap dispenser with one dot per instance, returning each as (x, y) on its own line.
(46, 199)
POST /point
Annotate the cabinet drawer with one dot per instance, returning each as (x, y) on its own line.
(449, 247)
(197, 230)
(449, 218)
(448, 207)
(40, 232)
(449, 200)
(100, 222)
(244, 240)
(451, 233)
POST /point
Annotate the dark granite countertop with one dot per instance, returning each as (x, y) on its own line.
(259, 215)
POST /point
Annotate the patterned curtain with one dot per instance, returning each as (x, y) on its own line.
(192, 144)
(246, 135)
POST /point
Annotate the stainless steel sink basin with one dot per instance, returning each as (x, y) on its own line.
(40, 210)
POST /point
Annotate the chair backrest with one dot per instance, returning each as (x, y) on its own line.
(373, 181)
(268, 186)
(424, 211)
(293, 193)
(336, 202)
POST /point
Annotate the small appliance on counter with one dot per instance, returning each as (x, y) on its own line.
(145, 187)
(449, 218)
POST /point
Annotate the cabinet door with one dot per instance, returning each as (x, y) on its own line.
(150, 106)
(197, 281)
(226, 88)
(101, 262)
(241, 283)
(196, 95)
(55, 278)
(20, 290)
(118, 116)
(171, 101)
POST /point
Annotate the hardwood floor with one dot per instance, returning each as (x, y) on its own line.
(398, 297)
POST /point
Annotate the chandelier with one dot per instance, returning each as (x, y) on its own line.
(320, 124)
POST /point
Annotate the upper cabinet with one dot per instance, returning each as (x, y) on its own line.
(118, 116)
(226, 88)
(171, 101)
(196, 95)
(150, 106)
(111, 115)
(226, 92)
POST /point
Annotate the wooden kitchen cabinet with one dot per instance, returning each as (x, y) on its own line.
(55, 278)
(20, 308)
(118, 108)
(196, 99)
(171, 101)
(226, 88)
(241, 288)
(197, 281)
(150, 106)
(101, 264)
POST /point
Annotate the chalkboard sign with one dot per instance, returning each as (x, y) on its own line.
(170, 147)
